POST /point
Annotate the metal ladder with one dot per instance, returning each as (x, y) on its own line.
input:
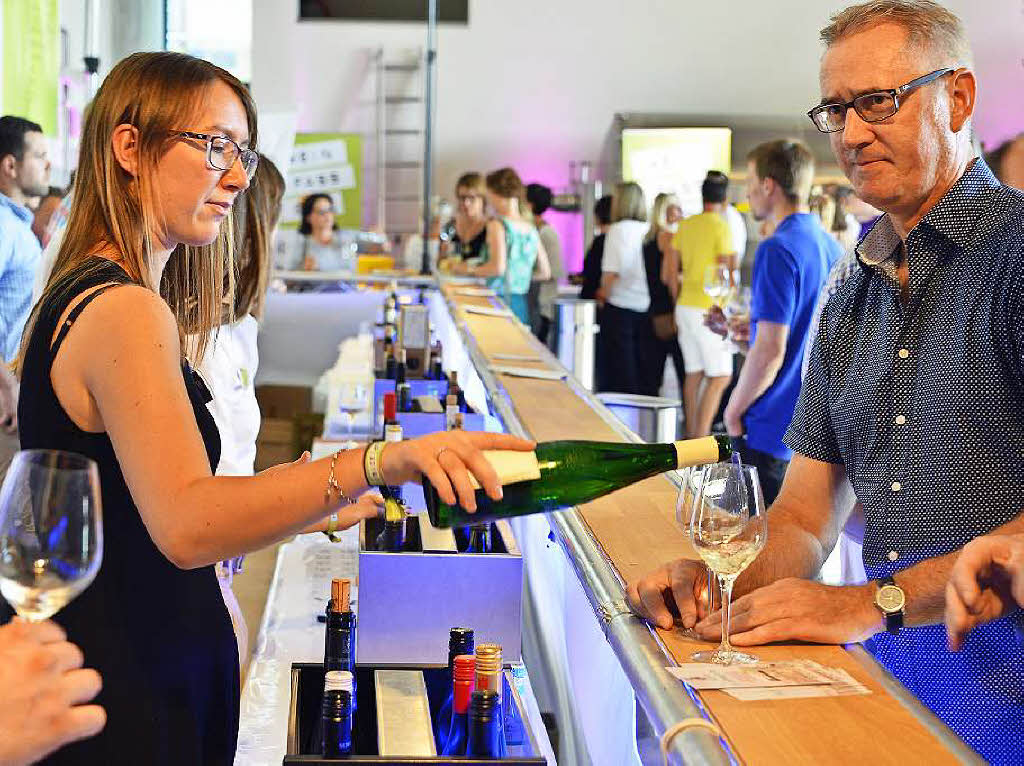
(395, 158)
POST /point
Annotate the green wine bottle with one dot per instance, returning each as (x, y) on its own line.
(564, 474)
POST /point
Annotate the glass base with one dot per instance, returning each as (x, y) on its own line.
(718, 657)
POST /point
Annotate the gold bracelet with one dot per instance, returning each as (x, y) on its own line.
(372, 464)
(333, 486)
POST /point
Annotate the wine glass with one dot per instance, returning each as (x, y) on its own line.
(728, 530)
(716, 282)
(353, 400)
(689, 489)
(51, 531)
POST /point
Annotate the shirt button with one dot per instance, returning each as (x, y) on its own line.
(900, 420)
(893, 555)
(904, 353)
(896, 486)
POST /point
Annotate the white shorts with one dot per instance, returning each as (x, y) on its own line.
(703, 350)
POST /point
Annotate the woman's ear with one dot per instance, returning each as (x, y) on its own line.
(125, 143)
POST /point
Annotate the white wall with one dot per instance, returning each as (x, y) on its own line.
(536, 82)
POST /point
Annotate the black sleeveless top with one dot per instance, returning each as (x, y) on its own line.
(160, 636)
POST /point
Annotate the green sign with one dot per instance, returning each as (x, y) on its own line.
(326, 163)
(31, 61)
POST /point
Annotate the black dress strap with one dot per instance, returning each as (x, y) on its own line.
(75, 312)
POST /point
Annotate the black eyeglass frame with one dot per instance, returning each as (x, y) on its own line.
(241, 154)
(893, 93)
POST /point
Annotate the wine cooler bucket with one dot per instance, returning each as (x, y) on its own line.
(303, 747)
(407, 605)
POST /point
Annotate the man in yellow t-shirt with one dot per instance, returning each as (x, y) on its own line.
(701, 241)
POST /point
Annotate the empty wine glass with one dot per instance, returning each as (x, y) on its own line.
(716, 282)
(728, 530)
(51, 531)
(354, 399)
(689, 489)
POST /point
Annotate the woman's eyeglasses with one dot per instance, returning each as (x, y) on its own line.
(221, 152)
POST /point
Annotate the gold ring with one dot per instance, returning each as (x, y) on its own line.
(437, 455)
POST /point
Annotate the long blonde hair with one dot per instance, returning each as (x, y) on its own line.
(157, 93)
(659, 214)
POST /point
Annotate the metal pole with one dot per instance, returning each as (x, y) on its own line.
(428, 130)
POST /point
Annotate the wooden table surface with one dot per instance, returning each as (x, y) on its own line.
(637, 530)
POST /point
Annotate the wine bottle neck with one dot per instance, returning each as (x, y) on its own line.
(709, 449)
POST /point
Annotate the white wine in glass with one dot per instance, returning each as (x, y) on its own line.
(728, 530)
(51, 531)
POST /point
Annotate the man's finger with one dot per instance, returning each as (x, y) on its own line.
(776, 630)
(652, 596)
(683, 585)
(67, 655)
(956, 618)
(459, 477)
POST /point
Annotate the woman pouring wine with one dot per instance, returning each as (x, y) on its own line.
(166, 149)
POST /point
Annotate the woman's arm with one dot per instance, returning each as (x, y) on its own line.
(130, 370)
(495, 266)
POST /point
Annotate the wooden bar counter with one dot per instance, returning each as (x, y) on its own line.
(637, 531)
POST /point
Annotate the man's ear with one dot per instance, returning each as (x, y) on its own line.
(125, 144)
(962, 94)
(8, 166)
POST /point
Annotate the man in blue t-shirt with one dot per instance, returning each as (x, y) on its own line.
(790, 268)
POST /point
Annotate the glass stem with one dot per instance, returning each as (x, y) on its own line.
(726, 584)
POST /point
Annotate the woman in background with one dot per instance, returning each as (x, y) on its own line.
(322, 246)
(514, 245)
(538, 199)
(469, 240)
(625, 326)
(665, 214)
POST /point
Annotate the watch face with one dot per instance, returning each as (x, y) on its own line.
(890, 598)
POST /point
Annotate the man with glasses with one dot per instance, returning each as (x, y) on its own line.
(914, 389)
(24, 173)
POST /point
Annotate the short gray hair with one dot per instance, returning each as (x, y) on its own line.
(929, 26)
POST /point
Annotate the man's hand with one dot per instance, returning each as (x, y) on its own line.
(733, 420)
(678, 590)
(801, 610)
(45, 690)
(9, 389)
(986, 581)
(716, 321)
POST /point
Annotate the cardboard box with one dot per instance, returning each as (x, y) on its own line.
(284, 401)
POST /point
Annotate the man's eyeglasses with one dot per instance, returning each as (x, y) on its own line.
(221, 152)
(870, 107)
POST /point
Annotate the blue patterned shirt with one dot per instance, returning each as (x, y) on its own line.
(19, 258)
(923, 404)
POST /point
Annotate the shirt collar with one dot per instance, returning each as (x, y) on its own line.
(967, 200)
(19, 210)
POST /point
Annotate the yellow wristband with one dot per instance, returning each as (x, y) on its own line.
(372, 464)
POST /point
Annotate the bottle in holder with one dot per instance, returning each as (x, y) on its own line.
(392, 431)
(392, 536)
(564, 474)
(405, 401)
(460, 641)
(452, 416)
(436, 365)
(402, 359)
(480, 539)
(336, 715)
(456, 390)
(454, 743)
(390, 363)
(489, 678)
(340, 635)
(483, 738)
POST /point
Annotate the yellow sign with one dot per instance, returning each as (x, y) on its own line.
(31, 61)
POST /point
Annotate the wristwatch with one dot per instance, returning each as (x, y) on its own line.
(890, 599)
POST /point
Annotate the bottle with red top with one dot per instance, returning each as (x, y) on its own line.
(464, 677)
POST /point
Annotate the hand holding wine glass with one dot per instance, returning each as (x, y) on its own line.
(51, 531)
(728, 529)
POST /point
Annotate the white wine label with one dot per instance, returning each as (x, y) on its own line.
(697, 452)
(511, 466)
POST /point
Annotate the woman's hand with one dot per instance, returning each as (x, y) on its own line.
(447, 458)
